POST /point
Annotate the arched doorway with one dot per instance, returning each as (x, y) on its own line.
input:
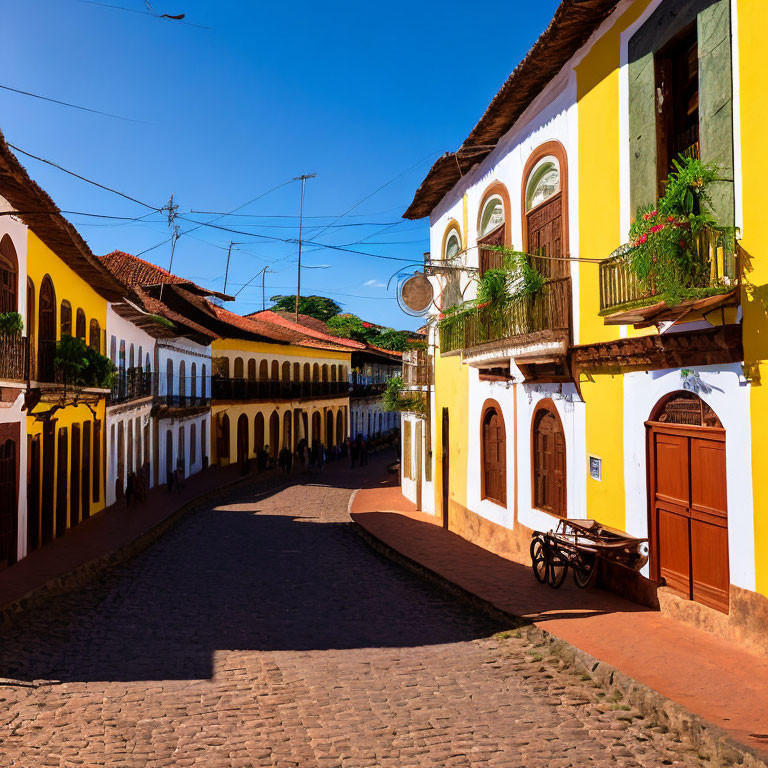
(274, 434)
(316, 427)
(9, 504)
(287, 431)
(328, 428)
(493, 446)
(548, 458)
(223, 447)
(46, 331)
(258, 433)
(242, 443)
(340, 426)
(688, 529)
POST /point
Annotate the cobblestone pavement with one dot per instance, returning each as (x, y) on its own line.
(263, 632)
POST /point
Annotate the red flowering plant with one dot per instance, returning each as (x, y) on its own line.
(671, 242)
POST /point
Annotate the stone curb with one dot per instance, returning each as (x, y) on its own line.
(87, 572)
(710, 740)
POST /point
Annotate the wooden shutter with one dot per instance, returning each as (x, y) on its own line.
(549, 473)
(494, 457)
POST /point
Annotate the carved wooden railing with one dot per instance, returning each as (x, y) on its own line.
(14, 356)
(621, 288)
(417, 368)
(547, 310)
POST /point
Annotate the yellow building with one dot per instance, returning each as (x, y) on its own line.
(60, 289)
(630, 397)
(276, 383)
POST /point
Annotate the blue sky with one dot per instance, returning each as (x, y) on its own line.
(361, 95)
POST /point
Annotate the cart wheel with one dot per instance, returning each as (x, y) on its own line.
(539, 560)
(557, 569)
(584, 574)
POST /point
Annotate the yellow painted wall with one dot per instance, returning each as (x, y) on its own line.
(452, 392)
(754, 165)
(599, 216)
(67, 284)
(265, 348)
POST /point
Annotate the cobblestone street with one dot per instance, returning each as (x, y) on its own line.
(262, 631)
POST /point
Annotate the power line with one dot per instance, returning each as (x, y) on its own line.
(143, 13)
(68, 104)
(82, 178)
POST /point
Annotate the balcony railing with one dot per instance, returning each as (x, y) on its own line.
(620, 288)
(14, 356)
(247, 389)
(367, 390)
(132, 384)
(417, 368)
(548, 310)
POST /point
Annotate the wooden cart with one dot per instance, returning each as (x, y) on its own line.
(578, 544)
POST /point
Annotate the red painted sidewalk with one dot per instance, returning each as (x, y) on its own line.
(108, 531)
(726, 685)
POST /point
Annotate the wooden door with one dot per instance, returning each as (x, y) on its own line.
(85, 473)
(446, 474)
(258, 433)
(74, 478)
(33, 493)
(417, 447)
(49, 482)
(545, 237)
(62, 467)
(689, 512)
(494, 457)
(8, 503)
(549, 472)
(242, 442)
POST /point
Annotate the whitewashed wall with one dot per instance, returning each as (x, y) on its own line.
(190, 352)
(174, 425)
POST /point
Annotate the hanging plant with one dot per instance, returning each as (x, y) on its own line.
(395, 399)
(671, 242)
(11, 323)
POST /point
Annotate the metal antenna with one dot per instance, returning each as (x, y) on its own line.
(303, 179)
(174, 237)
(263, 276)
(226, 273)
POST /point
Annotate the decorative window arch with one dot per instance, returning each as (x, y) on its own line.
(548, 460)
(325, 372)
(238, 368)
(275, 371)
(46, 330)
(493, 225)
(544, 201)
(307, 374)
(297, 372)
(286, 371)
(493, 454)
(252, 369)
(263, 370)
(452, 241)
(80, 324)
(65, 318)
(193, 382)
(9, 276)
(182, 379)
(94, 337)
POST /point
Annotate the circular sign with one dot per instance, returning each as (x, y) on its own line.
(416, 293)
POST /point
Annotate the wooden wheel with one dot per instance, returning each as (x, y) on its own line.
(557, 569)
(539, 560)
(585, 571)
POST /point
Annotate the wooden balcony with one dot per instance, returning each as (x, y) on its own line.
(14, 357)
(417, 368)
(620, 288)
(548, 311)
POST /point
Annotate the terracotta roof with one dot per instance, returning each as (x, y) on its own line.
(131, 270)
(571, 26)
(42, 216)
(257, 327)
(305, 320)
(310, 336)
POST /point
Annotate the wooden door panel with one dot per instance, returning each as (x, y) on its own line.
(671, 466)
(674, 550)
(709, 564)
(708, 480)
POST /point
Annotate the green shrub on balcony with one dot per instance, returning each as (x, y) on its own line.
(394, 399)
(674, 243)
(79, 365)
(11, 323)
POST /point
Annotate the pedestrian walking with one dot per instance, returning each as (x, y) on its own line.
(180, 475)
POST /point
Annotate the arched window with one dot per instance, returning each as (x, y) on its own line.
(203, 390)
(221, 366)
(192, 443)
(182, 379)
(263, 370)
(121, 360)
(275, 371)
(493, 445)
(9, 276)
(238, 373)
(65, 318)
(223, 436)
(80, 325)
(258, 433)
(252, 369)
(296, 372)
(113, 350)
(193, 389)
(274, 434)
(545, 209)
(307, 374)
(286, 374)
(169, 377)
(451, 251)
(94, 337)
(493, 226)
(333, 373)
(325, 372)
(316, 372)
(548, 449)
(46, 331)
